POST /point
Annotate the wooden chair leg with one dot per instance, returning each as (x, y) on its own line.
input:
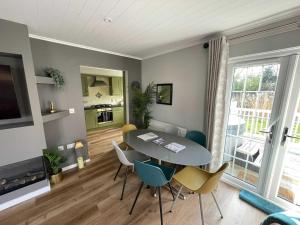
(118, 171)
(160, 207)
(201, 209)
(125, 179)
(136, 198)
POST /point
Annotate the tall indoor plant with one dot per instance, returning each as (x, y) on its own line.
(141, 102)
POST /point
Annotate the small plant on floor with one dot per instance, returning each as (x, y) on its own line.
(55, 159)
(56, 76)
(141, 102)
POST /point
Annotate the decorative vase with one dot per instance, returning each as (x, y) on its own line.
(56, 178)
(52, 108)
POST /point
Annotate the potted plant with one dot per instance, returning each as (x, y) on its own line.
(141, 102)
(54, 159)
(56, 76)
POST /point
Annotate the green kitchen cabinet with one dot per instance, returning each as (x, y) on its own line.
(117, 85)
(90, 119)
(84, 84)
(118, 115)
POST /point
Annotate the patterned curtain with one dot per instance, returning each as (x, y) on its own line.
(216, 99)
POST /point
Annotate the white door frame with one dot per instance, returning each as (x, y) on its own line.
(269, 184)
(292, 89)
(274, 117)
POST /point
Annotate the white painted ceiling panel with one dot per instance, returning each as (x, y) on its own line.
(139, 28)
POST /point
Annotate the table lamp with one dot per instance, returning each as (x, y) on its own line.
(78, 147)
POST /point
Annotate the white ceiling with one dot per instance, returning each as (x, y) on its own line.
(139, 28)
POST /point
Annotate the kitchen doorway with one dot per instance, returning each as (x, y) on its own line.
(104, 96)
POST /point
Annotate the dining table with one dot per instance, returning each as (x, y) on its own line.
(192, 155)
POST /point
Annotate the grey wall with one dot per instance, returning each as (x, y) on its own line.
(68, 60)
(21, 143)
(187, 70)
(280, 41)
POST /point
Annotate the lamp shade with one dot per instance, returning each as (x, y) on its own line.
(78, 145)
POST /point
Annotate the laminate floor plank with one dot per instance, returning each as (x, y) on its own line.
(91, 197)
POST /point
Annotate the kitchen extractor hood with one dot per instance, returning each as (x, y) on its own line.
(99, 82)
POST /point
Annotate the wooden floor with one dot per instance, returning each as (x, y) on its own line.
(99, 141)
(90, 196)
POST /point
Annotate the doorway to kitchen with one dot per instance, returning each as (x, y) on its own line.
(105, 111)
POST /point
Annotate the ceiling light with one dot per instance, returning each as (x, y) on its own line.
(107, 20)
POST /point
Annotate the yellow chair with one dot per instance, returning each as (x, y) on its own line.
(199, 181)
(125, 129)
(128, 127)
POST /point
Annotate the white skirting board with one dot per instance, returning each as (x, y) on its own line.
(73, 165)
(15, 197)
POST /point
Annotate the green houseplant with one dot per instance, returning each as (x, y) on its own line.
(56, 76)
(141, 102)
(54, 159)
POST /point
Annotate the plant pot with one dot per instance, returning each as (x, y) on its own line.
(56, 178)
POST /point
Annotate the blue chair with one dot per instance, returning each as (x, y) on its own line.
(155, 175)
(197, 137)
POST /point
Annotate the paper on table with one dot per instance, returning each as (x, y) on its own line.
(148, 136)
(175, 147)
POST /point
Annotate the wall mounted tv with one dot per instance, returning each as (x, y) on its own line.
(9, 107)
(15, 110)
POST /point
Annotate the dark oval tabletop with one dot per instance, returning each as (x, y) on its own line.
(193, 155)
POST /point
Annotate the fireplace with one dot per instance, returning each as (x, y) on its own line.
(21, 174)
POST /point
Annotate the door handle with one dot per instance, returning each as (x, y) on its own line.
(265, 132)
(294, 137)
(269, 132)
(285, 135)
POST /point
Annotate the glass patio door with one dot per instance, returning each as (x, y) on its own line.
(253, 113)
(286, 181)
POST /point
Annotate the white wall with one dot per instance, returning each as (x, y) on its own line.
(187, 70)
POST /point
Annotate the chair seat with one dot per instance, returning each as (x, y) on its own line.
(134, 155)
(168, 171)
(192, 177)
(124, 146)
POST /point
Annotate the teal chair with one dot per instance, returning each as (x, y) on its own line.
(197, 137)
(155, 175)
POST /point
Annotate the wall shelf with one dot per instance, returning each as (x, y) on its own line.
(44, 80)
(55, 116)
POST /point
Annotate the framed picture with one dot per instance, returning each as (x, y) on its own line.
(164, 94)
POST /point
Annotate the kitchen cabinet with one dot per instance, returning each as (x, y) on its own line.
(117, 85)
(84, 84)
(91, 119)
(118, 115)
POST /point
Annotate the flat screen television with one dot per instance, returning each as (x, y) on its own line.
(9, 108)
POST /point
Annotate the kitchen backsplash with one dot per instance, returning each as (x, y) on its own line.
(105, 98)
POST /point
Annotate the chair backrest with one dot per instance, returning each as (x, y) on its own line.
(197, 136)
(149, 174)
(213, 180)
(128, 127)
(121, 155)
